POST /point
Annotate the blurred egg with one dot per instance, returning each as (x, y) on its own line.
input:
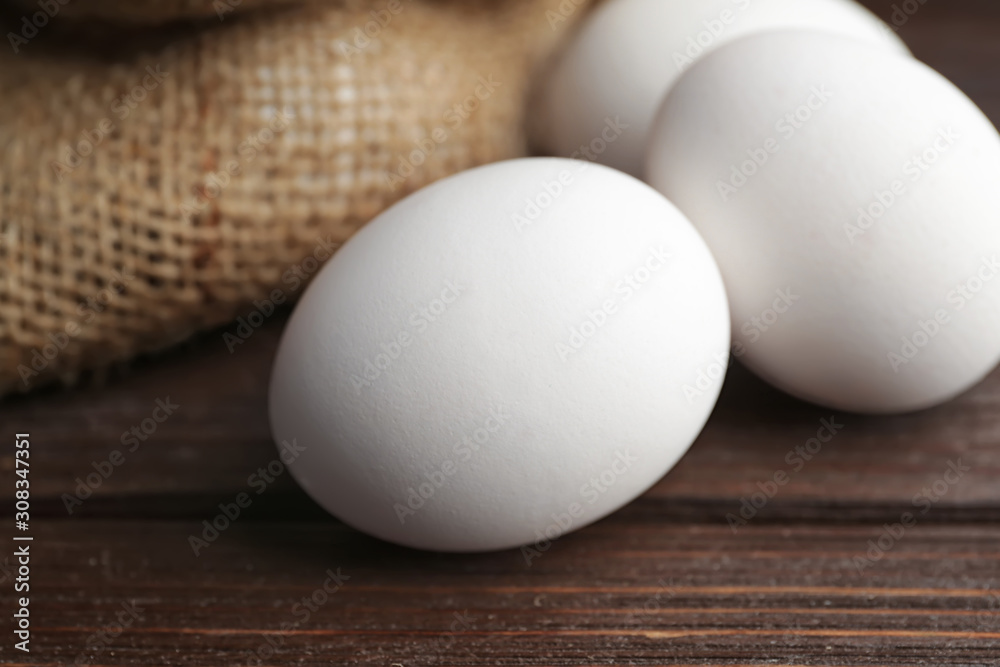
(852, 200)
(502, 357)
(601, 93)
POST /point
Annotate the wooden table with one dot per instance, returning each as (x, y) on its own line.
(667, 580)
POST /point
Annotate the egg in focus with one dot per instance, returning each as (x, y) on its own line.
(504, 356)
(851, 199)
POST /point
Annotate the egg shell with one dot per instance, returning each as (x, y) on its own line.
(602, 91)
(506, 355)
(850, 197)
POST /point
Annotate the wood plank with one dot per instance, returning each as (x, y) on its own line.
(630, 589)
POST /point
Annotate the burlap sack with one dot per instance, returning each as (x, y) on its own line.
(163, 194)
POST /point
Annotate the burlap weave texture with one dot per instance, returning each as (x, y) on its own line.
(162, 193)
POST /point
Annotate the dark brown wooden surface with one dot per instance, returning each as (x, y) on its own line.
(666, 581)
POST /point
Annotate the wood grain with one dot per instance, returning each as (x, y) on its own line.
(665, 581)
(625, 591)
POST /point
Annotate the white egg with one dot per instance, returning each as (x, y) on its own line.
(600, 95)
(504, 356)
(852, 200)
